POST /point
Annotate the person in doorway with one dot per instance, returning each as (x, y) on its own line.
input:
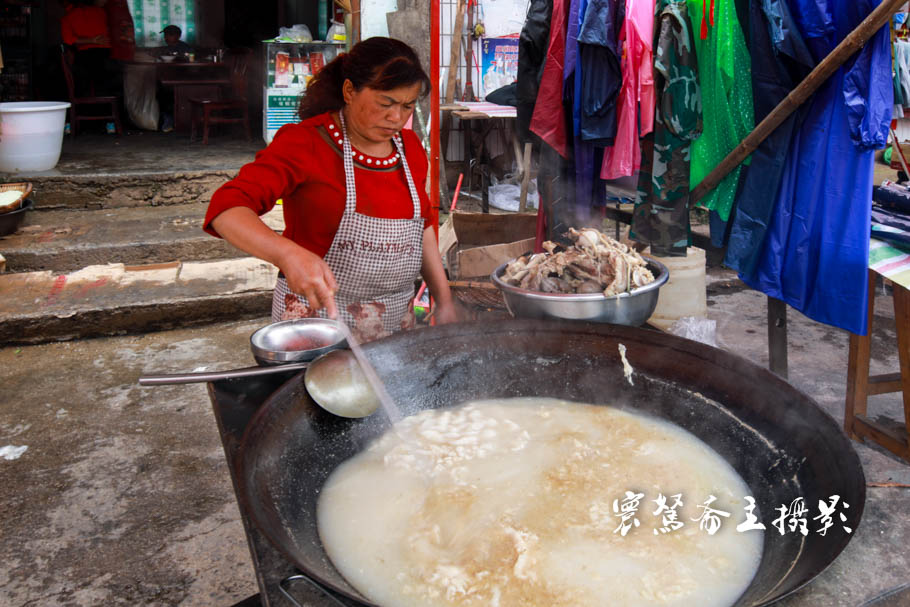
(121, 28)
(352, 180)
(175, 46)
(84, 29)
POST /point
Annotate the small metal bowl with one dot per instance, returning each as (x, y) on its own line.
(298, 340)
(632, 308)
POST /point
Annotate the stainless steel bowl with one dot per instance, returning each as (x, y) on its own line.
(632, 308)
(274, 344)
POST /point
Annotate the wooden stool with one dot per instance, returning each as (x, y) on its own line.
(860, 385)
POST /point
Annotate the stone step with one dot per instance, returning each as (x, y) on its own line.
(107, 191)
(114, 299)
(67, 240)
(98, 171)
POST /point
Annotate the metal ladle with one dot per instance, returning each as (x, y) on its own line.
(335, 381)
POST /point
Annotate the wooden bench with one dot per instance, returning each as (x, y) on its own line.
(860, 386)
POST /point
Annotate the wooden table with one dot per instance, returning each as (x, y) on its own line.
(860, 385)
(489, 114)
(191, 79)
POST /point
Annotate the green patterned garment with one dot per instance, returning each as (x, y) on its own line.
(725, 76)
(151, 16)
(661, 217)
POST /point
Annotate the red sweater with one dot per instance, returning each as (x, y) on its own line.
(84, 22)
(303, 166)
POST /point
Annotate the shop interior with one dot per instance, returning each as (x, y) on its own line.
(216, 30)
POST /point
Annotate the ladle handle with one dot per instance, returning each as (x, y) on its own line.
(206, 376)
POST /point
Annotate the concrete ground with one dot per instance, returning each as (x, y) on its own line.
(123, 495)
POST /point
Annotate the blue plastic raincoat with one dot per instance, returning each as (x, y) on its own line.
(815, 255)
(780, 60)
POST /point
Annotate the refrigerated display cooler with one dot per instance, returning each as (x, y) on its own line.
(289, 67)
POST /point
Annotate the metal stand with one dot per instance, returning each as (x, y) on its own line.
(777, 337)
(234, 402)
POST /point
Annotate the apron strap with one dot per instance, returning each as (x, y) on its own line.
(350, 203)
(350, 188)
(407, 174)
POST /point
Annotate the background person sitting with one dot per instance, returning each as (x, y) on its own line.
(175, 46)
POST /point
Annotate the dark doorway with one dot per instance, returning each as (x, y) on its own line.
(249, 23)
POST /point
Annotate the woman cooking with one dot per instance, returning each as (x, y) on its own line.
(352, 182)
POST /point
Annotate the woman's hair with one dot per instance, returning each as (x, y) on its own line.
(378, 63)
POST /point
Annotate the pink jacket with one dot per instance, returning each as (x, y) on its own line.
(624, 158)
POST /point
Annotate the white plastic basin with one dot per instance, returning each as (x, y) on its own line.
(31, 135)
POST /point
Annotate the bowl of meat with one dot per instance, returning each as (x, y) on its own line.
(595, 279)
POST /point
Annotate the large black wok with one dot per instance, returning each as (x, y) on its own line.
(779, 441)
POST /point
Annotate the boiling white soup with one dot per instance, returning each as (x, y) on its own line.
(532, 501)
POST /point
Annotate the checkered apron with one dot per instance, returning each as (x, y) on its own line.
(375, 262)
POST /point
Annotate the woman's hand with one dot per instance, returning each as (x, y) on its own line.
(433, 273)
(306, 272)
(99, 39)
(445, 312)
(310, 276)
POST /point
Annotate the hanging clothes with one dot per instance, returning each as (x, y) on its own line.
(532, 51)
(661, 216)
(593, 85)
(571, 71)
(816, 253)
(780, 61)
(724, 73)
(582, 154)
(623, 158)
(902, 67)
(549, 118)
(601, 79)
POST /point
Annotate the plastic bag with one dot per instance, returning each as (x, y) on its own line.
(295, 33)
(506, 196)
(702, 330)
(139, 86)
(336, 33)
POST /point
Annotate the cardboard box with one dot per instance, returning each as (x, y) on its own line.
(472, 245)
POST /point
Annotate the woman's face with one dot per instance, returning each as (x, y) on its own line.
(377, 115)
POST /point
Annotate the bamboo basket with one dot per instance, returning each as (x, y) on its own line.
(24, 188)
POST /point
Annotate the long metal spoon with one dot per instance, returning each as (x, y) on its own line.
(340, 389)
(205, 376)
(343, 382)
(334, 381)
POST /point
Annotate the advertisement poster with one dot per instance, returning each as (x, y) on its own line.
(498, 63)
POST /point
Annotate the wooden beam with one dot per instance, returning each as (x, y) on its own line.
(830, 64)
(355, 21)
(859, 355)
(469, 58)
(455, 52)
(525, 178)
(894, 440)
(434, 115)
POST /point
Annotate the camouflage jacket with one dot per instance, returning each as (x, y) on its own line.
(661, 216)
